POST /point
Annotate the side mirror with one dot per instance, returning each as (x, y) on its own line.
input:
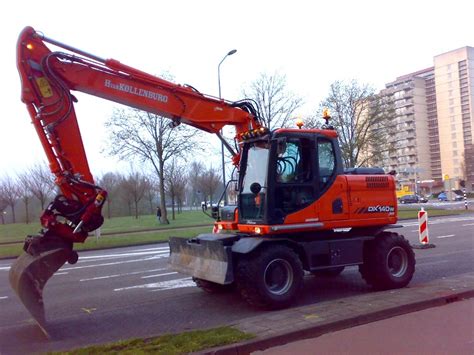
(255, 188)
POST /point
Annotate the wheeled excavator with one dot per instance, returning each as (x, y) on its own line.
(297, 209)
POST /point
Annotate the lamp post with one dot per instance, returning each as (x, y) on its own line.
(233, 51)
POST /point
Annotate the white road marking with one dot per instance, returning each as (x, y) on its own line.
(469, 224)
(119, 275)
(158, 275)
(446, 236)
(444, 254)
(61, 273)
(165, 285)
(414, 231)
(433, 262)
(117, 262)
(3, 297)
(6, 268)
(155, 251)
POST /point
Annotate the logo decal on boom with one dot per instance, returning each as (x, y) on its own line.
(135, 91)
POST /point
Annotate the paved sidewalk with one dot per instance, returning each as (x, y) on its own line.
(442, 330)
(282, 327)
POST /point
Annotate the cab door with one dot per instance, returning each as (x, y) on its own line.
(331, 185)
(293, 179)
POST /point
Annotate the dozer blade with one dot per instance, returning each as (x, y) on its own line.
(207, 257)
(29, 274)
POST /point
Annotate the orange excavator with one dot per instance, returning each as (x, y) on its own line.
(298, 209)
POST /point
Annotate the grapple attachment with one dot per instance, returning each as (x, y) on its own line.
(30, 272)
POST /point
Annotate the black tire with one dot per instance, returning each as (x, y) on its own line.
(389, 262)
(212, 287)
(270, 278)
(332, 272)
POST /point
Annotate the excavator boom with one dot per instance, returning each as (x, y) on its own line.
(47, 79)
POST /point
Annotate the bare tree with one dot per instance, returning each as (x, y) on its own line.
(362, 120)
(151, 191)
(135, 185)
(110, 182)
(24, 192)
(151, 138)
(175, 184)
(209, 182)
(3, 202)
(276, 103)
(10, 193)
(194, 172)
(41, 183)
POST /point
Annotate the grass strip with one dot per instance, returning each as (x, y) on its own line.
(432, 212)
(182, 343)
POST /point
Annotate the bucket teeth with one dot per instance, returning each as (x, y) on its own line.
(29, 274)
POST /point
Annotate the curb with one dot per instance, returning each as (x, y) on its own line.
(286, 337)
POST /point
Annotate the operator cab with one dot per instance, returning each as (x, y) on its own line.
(285, 172)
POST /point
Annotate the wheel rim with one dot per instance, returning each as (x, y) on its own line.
(397, 261)
(278, 276)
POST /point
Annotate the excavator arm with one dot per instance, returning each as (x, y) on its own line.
(47, 79)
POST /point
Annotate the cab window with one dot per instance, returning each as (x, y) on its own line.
(326, 162)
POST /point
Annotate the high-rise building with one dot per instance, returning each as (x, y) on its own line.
(454, 79)
(434, 120)
(409, 146)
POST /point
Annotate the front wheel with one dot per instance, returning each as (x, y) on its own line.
(270, 278)
(389, 262)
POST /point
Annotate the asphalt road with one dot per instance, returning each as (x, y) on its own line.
(129, 292)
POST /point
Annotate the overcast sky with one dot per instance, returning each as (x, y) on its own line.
(312, 42)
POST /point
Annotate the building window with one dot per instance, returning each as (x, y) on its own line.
(455, 153)
(448, 67)
(451, 102)
(453, 135)
(451, 110)
(453, 127)
(452, 118)
(455, 145)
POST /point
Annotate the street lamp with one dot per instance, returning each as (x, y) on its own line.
(233, 51)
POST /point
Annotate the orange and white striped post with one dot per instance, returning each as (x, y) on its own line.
(423, 227)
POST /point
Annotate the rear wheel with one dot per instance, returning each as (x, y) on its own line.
(389, 262)
(270, 278)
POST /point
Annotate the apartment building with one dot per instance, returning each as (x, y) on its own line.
(454, 78)
(434, 120)
(409, 152)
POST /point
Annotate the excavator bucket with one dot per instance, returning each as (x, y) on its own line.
(29, 274)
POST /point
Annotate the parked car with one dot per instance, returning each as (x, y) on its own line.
(443, 197)
(413, 199)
